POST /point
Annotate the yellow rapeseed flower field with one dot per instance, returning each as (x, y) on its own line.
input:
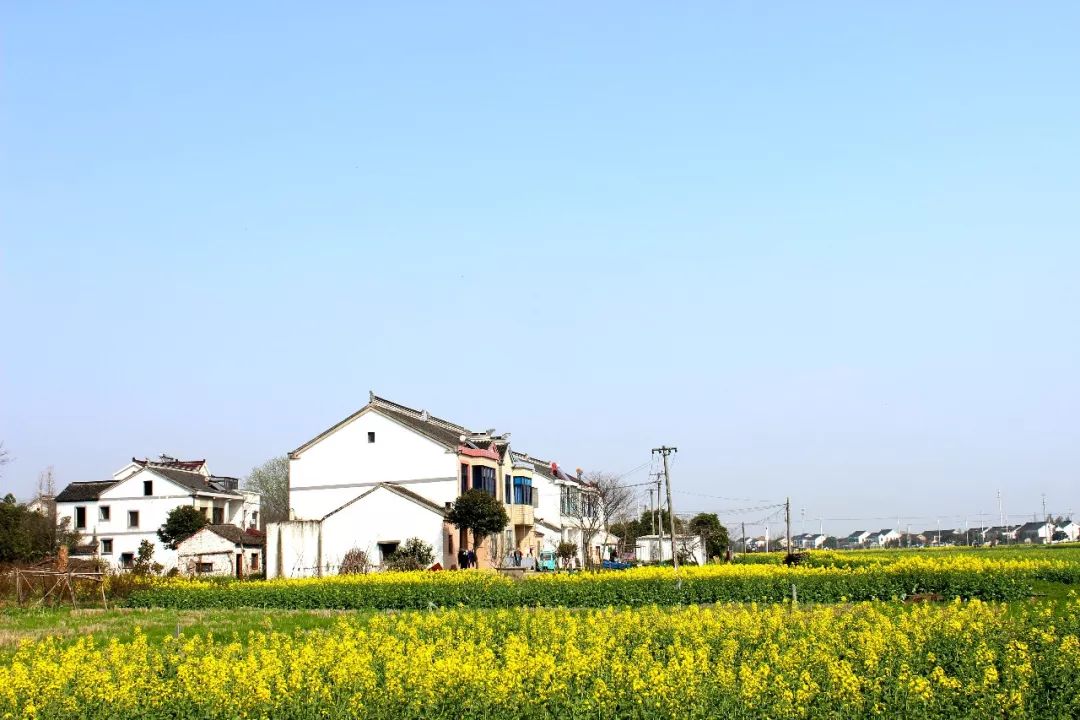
(866, 660)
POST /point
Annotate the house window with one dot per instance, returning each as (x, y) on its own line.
(371, 436)
(464, 477)
(106, 546)
(506, 489)
(133, 518)
(80, 518)
(219, 516)
(484, 479)
(523, 491)
(254, 518)
(386, 549)
(450, 543)
(204, 567)
(103, 512)
(127, 560)
(254, 562)
(148, 487)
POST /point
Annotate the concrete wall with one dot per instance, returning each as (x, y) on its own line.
(340, 466)
(649, 550)
(307, 547)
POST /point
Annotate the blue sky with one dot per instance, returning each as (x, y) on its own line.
(828, 251)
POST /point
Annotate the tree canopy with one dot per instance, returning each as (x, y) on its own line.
(181, 523)
(479, 513)
(708, 526)
(271, 481)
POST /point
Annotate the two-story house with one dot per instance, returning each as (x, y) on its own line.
(115, 516)
(388, 473)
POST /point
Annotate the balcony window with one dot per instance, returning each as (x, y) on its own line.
(523, 490)
(484, 479)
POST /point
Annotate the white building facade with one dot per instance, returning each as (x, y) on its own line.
(388, 473)
(114, 516)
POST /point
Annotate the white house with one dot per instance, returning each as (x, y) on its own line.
(650, 548)
(859, 538)
(886, 537)
(389, 472)
(115, 516)
(809, 541)
(1071, 530)
(222, 550)
(1039, 532)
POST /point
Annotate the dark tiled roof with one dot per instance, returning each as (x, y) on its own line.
(441, 431)
(167, 462)
(1032, 527)
(191, 480)
(239, 536)
(83, 491)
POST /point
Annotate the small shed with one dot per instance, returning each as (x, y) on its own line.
(222, 550)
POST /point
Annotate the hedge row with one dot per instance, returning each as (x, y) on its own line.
(645, 586)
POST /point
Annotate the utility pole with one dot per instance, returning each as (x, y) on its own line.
(787, 525)
(744, 538)
(1001, 510)
(664, 451)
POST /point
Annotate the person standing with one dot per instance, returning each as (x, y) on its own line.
(470, 560)
(462, 559)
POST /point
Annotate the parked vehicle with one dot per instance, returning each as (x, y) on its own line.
(548, 560)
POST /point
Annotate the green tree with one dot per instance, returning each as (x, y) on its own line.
(647, 523)
(413, 554)
(479, 513)
(271, 481)
(707, 526)
(25, 536)
(144, 560)
(181, 523)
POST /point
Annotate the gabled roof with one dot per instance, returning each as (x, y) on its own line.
(1034, 526)
(191, 480)
(239, 536)
(444, 432)
(84, 491)
(400, 492)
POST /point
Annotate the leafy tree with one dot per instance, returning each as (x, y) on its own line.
(181, 523)
(647, 523)
(479, 513)
(271, 481)
(144, 560)
(414, 554)
(707, 526)
(25, 536)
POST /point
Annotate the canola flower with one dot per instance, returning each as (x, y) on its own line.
(966, 576)
(868, 660)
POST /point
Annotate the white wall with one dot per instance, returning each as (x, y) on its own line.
(380, 516)
(121, 498)
(127, 495)
(207, 546)
(343, 464)
(648, 550)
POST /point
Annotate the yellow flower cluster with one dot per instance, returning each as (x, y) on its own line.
(963, 659)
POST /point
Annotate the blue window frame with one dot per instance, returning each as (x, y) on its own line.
(523, 491)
